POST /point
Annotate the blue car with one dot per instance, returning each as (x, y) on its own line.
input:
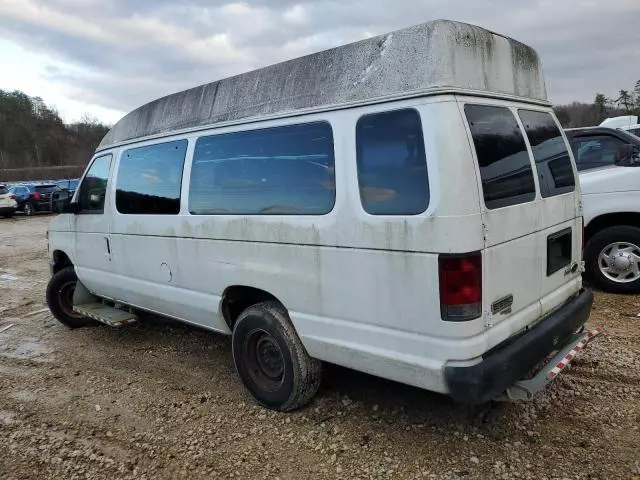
(33, 198)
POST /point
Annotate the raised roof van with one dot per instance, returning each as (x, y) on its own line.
(405, 206)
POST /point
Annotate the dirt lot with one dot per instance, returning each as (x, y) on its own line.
(161, 401)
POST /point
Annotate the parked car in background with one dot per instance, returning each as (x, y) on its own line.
(633, 129)
(33, 198)
(608, 161)
(62, 194)
(8, 204)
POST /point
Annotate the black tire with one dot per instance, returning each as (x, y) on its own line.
(28, 209)
(8, 215)
(271, 360)
(60, 299)
(618, 234)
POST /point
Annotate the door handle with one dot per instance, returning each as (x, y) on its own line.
(108, 254)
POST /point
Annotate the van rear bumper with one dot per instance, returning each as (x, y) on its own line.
(504, 366)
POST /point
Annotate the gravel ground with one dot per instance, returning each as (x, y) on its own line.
(162, 401)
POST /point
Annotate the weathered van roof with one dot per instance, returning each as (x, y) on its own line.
(432, 56)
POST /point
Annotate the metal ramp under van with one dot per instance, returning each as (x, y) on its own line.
(91, 306)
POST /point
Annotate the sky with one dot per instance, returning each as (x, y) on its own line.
(107, 57)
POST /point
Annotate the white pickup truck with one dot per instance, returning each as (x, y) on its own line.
(608, 161)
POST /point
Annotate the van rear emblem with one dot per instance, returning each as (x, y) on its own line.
(503, 305)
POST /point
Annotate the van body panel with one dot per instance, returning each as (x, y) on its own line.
(362, 290)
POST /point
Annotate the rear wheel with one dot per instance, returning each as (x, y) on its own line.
(612, 259)
(271, 360)
(60, 299)
(8, 215)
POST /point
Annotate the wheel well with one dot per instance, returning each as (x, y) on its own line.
(60, 260)
(611, 220)
(238, 298)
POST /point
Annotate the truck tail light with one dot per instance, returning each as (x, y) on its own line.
(460, 287)
(36, 196)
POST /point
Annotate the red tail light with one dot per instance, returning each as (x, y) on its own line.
(460, 287)
(37, 196)
(12, 197)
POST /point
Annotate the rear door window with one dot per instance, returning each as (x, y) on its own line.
(505, 166)
(392, 165)
(595, 151)
(550, 152)
(44, 188)
(3, 190)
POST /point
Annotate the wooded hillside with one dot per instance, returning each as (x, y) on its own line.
(35, 143)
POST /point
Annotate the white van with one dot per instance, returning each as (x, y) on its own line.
(392, 206)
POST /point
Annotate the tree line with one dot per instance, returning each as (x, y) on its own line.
(576, 114)
(35, 141)
(33, 137)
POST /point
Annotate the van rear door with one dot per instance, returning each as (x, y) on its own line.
(531, 212)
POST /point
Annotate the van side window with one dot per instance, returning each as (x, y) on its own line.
(505, 166)
(285, 170)
(392, 165)
(93, 190)
(150, 178)
(550, 152)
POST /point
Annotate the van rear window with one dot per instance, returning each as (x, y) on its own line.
(286, 170)
(550, 152)
(505, 167)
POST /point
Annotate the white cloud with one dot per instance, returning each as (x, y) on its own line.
(116, 55)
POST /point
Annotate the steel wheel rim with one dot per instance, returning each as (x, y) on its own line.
(620, 262)
(28, 210)
(65, 299)
(264, 359)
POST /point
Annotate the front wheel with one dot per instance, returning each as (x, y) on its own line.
(60, 299)
(612, 259)
(271, 360)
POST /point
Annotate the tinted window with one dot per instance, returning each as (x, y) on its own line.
(635, 131)
(550, 152)
(44, 188)
(93, 190)
(150, 178)
(275, 171)
(3, 190)
(392, 166)
(505, 167)
(595, 151)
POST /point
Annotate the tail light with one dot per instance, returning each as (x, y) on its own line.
(37, 196)
(12, 197)
(460, 287)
